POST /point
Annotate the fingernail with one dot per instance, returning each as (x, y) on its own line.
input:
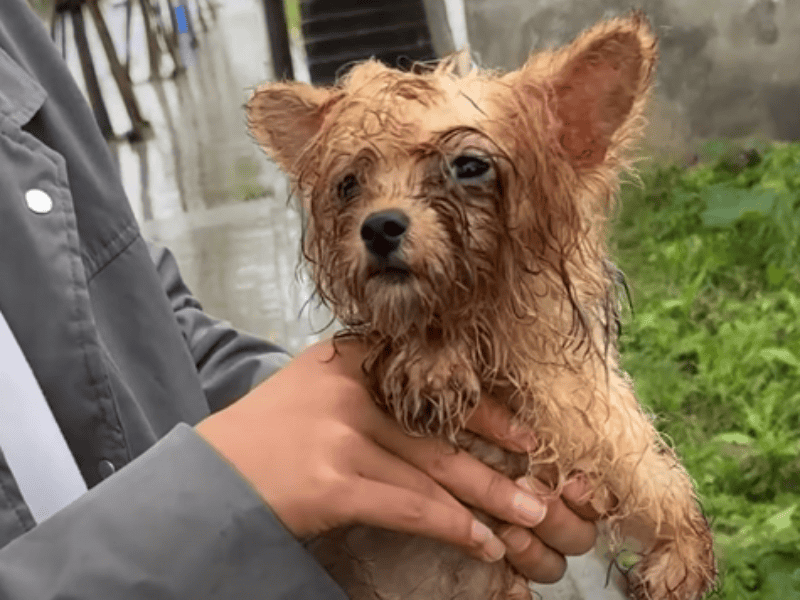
(524, 483)
(517, 539)
(493, 549)
(530, 510)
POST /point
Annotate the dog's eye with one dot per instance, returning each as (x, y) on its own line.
(348, 187)
(466, 167)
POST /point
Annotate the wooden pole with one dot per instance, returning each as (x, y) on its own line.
(128, 16)
(89, 74)
(173, 18)
(171, 39)
(203, 23)
(118, 71)
(153, 51)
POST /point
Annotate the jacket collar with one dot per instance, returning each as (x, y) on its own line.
(20, 96)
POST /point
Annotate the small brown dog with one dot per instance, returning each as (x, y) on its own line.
(456, 219)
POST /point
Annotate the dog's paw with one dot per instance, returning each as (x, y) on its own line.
(439, 395)
(670, 573)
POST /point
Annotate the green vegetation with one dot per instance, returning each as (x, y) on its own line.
(712, 255)
(242, 181)
(292, 8)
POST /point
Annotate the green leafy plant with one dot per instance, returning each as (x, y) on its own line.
(292, 8)
(712, 258)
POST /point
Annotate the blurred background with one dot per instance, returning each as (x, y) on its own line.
(171, 106)
(709, 236)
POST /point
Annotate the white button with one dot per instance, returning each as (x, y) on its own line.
(39, 201)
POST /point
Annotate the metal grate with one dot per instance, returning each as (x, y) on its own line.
(340, 32)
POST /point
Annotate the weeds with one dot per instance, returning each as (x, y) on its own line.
(712, 253)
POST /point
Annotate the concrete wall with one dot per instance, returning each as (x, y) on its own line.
(728, 67)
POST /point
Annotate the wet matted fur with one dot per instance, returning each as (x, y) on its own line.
(490, 272)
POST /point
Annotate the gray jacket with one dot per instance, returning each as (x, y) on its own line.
(127, 362)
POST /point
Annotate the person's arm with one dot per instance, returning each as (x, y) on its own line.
(179, 522)
(323, 455)
(229, 362)
(176, 523)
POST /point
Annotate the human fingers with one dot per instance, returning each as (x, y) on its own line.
(378, 464)
(534, 559)
(463, 475)
(495, 423)
(577, 496)
(539, 554)
(562, 529)
(391, 507)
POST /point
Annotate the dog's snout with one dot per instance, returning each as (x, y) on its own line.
(383, 231)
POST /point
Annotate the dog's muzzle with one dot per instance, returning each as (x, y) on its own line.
(382, 233)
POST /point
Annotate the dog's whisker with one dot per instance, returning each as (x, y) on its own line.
(471, 101)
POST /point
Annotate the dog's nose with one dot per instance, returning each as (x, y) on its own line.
(383, 231)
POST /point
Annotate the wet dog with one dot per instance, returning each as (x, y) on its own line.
(456, 219)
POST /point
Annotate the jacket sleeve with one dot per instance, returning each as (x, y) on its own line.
(229, 362)
(177, 523)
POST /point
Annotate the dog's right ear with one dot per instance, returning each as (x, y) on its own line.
(595, 90)
(285, 117)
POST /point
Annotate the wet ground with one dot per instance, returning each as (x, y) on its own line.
(199, 184)
(201, 187)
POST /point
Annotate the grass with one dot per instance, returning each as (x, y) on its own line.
(712, 254)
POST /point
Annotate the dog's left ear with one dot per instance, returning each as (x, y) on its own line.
(285, 117)
(597, 88)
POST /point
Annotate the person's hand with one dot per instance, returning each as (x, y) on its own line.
(568, 528)
(314, 445)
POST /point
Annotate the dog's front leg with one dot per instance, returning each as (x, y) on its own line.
(658, 506)
(430, 389)
(679, 562)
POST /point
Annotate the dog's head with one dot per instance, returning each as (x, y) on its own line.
(435, 194)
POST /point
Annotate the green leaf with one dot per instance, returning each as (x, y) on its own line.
(733, 437)
(781, 580)
(776, 275)
(783, 519)
(672, 303)
(781, 355)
